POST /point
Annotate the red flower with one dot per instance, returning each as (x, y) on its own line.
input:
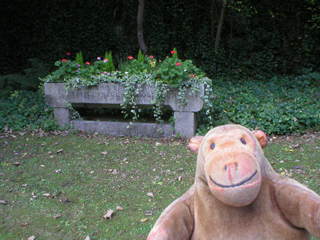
(191, 75)
(68, 53)
(173, 52)
(87, 63)
(178, 64)
(130, 57)
(64, 60)
(151, 56)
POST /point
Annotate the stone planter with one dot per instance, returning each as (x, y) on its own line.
(110, 95)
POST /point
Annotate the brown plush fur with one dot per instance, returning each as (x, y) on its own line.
(237, 195)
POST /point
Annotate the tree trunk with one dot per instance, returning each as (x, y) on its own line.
(142, 44)
(220, 25)
(214, 16)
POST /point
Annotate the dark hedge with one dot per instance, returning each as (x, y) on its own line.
(259, 38)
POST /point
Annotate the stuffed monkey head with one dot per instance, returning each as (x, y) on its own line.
(230, 161)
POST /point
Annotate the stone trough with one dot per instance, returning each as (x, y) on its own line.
(110, 95)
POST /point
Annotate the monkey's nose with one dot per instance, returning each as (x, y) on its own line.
(230, 166)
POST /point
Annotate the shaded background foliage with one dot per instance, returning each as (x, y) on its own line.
(265, 72)
(259, 38)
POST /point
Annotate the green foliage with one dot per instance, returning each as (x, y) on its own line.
(26, 110)
(108, 62)
(79, 59)
(136, 66)
(175, 72)
(174, 53)
(28, 80)
(280, 105)
(140, 57)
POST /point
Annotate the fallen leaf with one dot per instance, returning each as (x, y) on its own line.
(298, 167)
(109, 214)
(149, 213)
(144, 220)
(25, 224)
(46, 194)
(34, 195)
(25, 185)
(60, 151)
(58, 171)
(32, 238)
(150, 194)
(3, 202)
(57, 216)
(118, 208)
(104, 153)
(180, 169)
(87, 238)
(17, 163)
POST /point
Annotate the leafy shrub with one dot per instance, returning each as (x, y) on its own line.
(29, 80)
(26, 110)
(280, 106)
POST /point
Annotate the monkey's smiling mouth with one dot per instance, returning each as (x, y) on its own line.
(234, 185)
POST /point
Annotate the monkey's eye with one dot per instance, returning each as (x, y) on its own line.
(243, 141)
(212, 145)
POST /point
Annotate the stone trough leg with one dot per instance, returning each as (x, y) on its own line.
(185, 124)
(63, 116)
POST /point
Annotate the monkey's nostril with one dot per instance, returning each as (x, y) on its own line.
(225, 167)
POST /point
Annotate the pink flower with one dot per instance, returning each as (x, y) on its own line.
(64, 60)
(87, 63)
(130, 57)
(178, 64)
(68, 53)
(173, 52)
(105, 60)
(151, 56)
(191, 75)
(98, 58)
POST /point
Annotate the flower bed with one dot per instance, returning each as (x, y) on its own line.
(140, 83)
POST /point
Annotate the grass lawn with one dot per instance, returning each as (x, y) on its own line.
(61, 185)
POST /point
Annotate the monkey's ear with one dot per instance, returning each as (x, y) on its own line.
(194, 143)
(261, 137)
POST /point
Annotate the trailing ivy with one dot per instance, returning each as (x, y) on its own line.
(26, 110)
(280, 106)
